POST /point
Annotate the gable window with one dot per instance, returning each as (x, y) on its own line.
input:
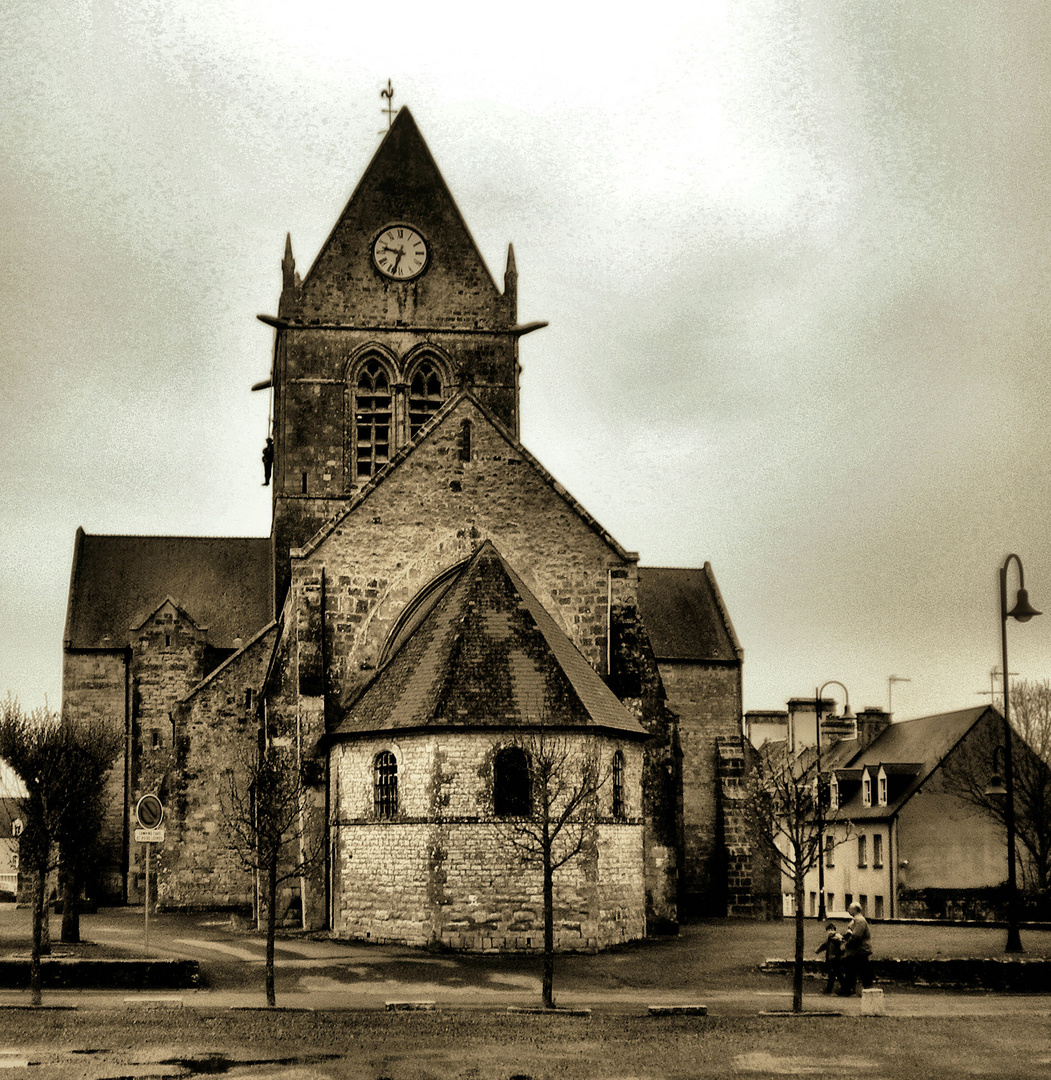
(863, 852)
(385, 784)
(465, 440)
(425, 396)
(877, 849)
(512, 788)
(866, 790)
(618, 785)
(882, 790)
(372, 413)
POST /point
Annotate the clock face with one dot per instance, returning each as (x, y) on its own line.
(399, 252)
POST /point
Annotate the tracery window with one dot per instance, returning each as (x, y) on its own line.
(385, 784)
(372, 416)
(512, 787)
(618, 785)
(425, 395)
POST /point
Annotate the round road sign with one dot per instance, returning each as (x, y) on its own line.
(149, 812)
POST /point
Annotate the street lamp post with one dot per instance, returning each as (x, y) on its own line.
(1022, 611)
(820, 796)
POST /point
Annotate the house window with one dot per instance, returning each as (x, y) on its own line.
(425, 396)
(830, 847)
(618, 785)
(16, 827)
(813, 904)
(883, 791)
(863, 900)
(877, 911)
(863, 854)
(866, 790)
(848, 899)
(877, 850)
(385, 784)
(372, 413)
(830, 901)
(512, 789)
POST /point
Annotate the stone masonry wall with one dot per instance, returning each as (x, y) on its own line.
(94, 688)
(432, 513)
(444, 870)
(217, 729)
(707, 699)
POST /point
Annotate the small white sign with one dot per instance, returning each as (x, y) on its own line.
(149, 836)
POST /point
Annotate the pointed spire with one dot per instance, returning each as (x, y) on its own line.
(511, 282)
(289, 279)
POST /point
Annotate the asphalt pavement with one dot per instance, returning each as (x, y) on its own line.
(714, 964)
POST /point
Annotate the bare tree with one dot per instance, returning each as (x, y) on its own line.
(92, 750)
(266, 805)
(556, 820)
(787, 805)
(52, 759)
(968, 772)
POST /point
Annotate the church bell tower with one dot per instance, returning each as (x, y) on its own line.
(398, 312)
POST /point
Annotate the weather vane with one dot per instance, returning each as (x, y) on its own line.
(389, 110)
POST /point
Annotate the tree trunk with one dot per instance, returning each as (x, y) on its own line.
(39, 945)
(271, 924)
(797, 969)
(70, 907)
(549, 901)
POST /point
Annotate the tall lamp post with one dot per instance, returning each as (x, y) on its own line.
(820, 795)
(1022, 611)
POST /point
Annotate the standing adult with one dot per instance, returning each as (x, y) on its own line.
(857, 947)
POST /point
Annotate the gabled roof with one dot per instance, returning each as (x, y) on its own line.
(224, 583)
(921, 745)
(422, 435)
(487, 655)
(685, 616)
(402, 183)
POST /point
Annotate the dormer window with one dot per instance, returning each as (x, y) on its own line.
(866, 789)
(881, 787)
(833, 793)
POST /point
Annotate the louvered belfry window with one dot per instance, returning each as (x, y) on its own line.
(372, 419)
(425, 396)
(385, 784)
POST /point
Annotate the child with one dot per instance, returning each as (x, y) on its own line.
(832, 947)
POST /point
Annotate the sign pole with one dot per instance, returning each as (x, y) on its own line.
(146, 906)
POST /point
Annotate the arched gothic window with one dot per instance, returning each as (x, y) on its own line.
(425, 395)
(385, 784)
(372, 415)
(618, 785)
(512, 789)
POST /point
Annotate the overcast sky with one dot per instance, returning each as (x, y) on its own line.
(794, 255)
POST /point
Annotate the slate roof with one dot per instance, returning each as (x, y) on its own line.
(223, 583)
(488, 654)
(684, 615)
(920, 745)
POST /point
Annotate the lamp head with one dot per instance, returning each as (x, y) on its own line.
(995, 788)
(1023, 611)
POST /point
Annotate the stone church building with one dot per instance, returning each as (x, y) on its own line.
(430, 606)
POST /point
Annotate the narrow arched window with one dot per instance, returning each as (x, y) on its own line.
(372, 413)
(465, 440)
(385, 784)
(618, 784)
(512, 794)
(425, 395)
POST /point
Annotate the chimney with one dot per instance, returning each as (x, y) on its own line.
(872, 722)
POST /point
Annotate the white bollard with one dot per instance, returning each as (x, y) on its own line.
(872, 1003)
